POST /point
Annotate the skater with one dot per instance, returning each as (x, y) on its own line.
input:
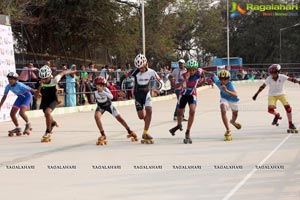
(176, 77)
(22, 103)
(103, 98)
(47, 91)
(188, 95)
(143, 75)
(276, 92)
(229, 99)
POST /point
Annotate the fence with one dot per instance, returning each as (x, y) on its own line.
(121, 85)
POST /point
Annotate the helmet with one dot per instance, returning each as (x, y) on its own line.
(100, 80)
(181, 61)
(191, 64)
(140, 60)
(45, 72)
(13, 75)
(224, 74)
(274, 68)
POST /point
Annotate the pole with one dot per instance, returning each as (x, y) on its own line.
(228, 67)
(280, 30)
(143, 28)
(280, 46)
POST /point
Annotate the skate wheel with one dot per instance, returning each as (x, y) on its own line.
(134, 140)
(18, 134)
(184, 141)
(10, 135)
(288, 131)
(105, 142)
(227, 138)
(26, 133)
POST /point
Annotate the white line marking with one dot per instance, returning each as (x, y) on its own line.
(242, 182)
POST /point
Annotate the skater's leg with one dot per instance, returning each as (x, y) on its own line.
(233, 120)
(191, 116)
(176, 107)
(223, 108)
(272, 111)
(141, 114)
(148, 117)
(22, 113)
(180, 112)
(49, 118)
(13, 116)
(123, 122)
(98, 121)
(234, 116)
(288, 110)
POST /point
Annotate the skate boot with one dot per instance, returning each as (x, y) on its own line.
(53, 124)
(174, 129)
(46, 137)
(292, 129)
(147, 139)
(187, 139)
(27, 129)
(16, 131)
(133, 136)
(236, 124)
(275, 120)
(227, 136)
(102, 140)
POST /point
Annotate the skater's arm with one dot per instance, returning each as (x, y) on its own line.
(209, 73)
(3, 100)
(37, 93)
(185, 76)
(293, 80)
(65, 72)
(230, 92)
(259, 90)
(107, 92)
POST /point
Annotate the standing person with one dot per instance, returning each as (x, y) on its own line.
(276, 81)
(22, 103)
(103, 98)
(229, 99)
(127, 85)
(188, 95)
(176, 76)
(70, 97)
(47, 90)
(82, 85)
(28, 77)
(143, 75)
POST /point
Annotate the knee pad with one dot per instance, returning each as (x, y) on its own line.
(271, 110)
(288, 108)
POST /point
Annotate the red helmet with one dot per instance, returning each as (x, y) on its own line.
(100, 80)
(274, 68)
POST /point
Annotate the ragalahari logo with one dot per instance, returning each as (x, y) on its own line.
(236, 10)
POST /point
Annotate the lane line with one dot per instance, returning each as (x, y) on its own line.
(248, 176)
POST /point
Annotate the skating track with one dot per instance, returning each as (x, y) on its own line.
(262, 162)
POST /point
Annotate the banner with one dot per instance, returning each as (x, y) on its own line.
(7, 64)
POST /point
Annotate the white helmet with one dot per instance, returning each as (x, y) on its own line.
(45, 72)
(181, 61)
(140, 61)
(12, 75)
